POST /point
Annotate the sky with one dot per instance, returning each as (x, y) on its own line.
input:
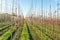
(25, 6)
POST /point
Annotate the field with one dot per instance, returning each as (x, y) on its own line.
(29, 19)
(29, 30)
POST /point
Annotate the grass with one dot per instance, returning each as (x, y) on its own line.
(39, 32)
(25, 34)
(49, 31)
(6, 35)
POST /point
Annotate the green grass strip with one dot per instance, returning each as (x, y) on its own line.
(42, 35)
(25, 34)
(8, 33)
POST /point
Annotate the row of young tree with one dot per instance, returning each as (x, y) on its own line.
(15, 11)
(45, 15)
